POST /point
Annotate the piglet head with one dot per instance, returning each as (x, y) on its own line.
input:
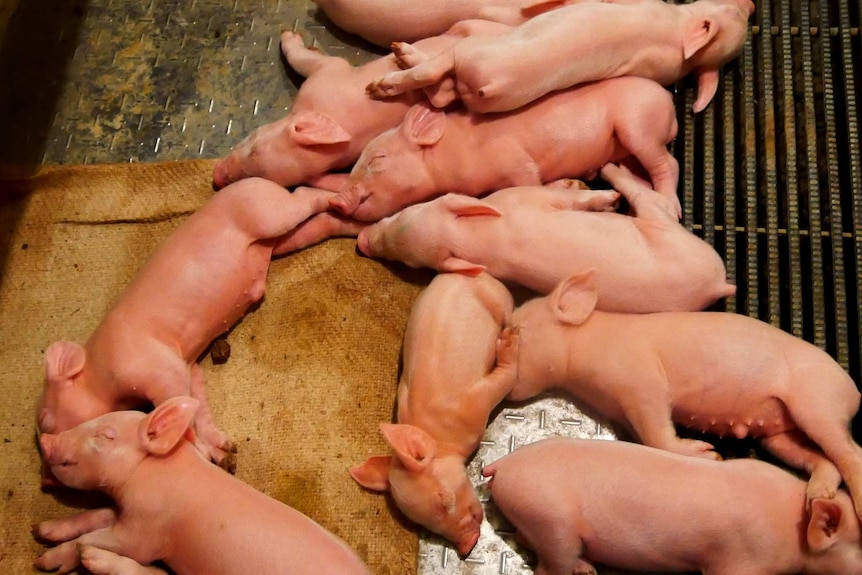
(714, 35)
(833, 536)
(289, 151)
(417, 234)
(103, 452)
(391, 172)
(66, 401)
(431, 489)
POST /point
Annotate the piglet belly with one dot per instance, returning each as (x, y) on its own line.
(721, 415)
(219, 302)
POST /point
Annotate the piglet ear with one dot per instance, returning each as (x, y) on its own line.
(456, 265)
(574, 299)
(824, 524)
(531, 8)
(466, 206)
(699, 32)
(413, 447)
(374, 473)
(63, 361)
(166, 425)
(314, 128)
(707, 86)
(423, 125)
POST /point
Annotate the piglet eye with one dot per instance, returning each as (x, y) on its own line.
(107, 433)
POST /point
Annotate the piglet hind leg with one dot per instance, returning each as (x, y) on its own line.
(797, 450)
(441, 93)
(429, 72)
(644, 201)
(649, 417)
(210, 440)
(823, 413)
(645, 132)
(304, 60)
(553, 559)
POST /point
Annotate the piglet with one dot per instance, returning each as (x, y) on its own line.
(382, 22)
(331, 118)
(173, 506)
(579, 501)
(569, 134)
(447, 390)
(716, 372)
(194, 287)
(581, 43)
(537, 236)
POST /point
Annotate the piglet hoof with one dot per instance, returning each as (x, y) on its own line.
(222, 452)
(400, 50)
(508, 345)
(374, 90)
(380, 89)
(568, 184)
(584, 568)
(103, 562)
(406, 55)
(818, 490)
(228, 462)
(698, 448)
(62, 559)
(605, 201)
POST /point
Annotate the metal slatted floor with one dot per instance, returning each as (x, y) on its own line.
(771, 171)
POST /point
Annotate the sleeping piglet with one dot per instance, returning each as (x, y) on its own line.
(715, 372)
(448, 387)
(583, 42)
(173, 506)
(569, 134)
(331, 118)
(197, 284)
(537, 236)
(382, 22)
(579, 501)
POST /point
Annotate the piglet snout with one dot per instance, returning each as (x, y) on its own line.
(46, 446)
(364, 243)
(746, 5)
(221, 174)
(466, 544)
(52, 454)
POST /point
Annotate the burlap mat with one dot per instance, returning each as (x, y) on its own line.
(311, 372)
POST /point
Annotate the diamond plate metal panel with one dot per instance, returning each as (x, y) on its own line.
(150, 81)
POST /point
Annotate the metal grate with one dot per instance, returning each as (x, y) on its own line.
(772, 174)
(771, 171)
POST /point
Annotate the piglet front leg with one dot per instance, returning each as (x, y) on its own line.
(64, 557)
(583, 198)
(68, 528)
(102, 562)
